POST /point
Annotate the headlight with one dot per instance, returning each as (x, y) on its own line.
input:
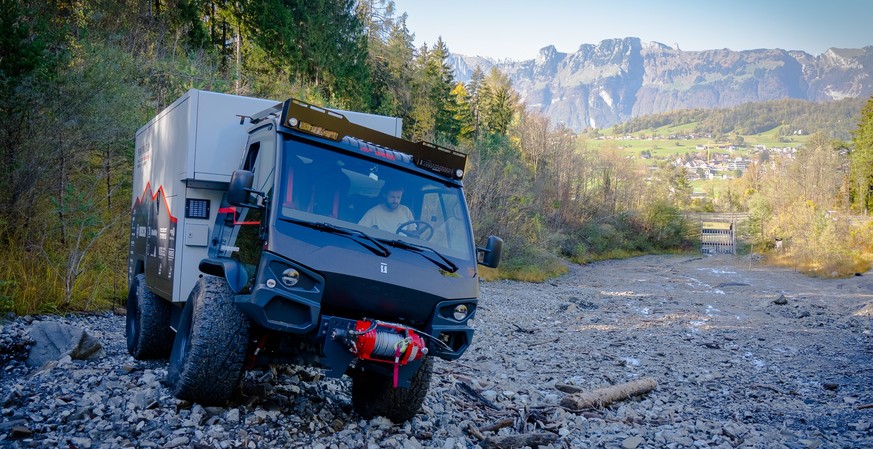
(460, 312)
(290, 277)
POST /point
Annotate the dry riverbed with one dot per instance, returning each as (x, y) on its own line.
(743, 356)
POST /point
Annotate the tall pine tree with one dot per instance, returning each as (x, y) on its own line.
(862, 160)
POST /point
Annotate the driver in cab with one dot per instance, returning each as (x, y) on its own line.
(389, 214)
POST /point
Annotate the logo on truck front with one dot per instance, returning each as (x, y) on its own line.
(383, 267)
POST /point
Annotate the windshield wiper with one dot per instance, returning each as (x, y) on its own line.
(359, 237)
(440, 260)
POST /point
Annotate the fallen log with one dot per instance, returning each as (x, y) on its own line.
(505, 422)
(607, 395)
(520, 440)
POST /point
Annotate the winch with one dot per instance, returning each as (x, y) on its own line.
(379, 341)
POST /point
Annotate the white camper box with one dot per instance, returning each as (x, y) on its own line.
(183, 161)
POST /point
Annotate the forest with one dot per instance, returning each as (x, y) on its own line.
(789, 115)
(79, 77)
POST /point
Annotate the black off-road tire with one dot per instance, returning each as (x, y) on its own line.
(147, 326)
(209, 352)
(374, 394)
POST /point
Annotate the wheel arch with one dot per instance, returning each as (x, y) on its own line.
(137, 266)
(229, 269)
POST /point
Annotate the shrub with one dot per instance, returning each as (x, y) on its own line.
(524, 261)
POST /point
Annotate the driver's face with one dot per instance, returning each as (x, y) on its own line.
(392, 199)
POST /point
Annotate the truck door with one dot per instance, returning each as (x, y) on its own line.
(261, 160)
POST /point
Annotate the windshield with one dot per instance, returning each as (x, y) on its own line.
(323, 186)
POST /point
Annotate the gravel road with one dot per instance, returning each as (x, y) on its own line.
(744, 356)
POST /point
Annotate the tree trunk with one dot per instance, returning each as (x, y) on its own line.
(607, 395)
(238, 58)
(522, 440)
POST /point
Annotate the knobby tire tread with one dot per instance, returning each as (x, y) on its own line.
(375, 395)
(152, 337)
(213, 363)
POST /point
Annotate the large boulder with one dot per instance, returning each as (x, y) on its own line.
(53, 340)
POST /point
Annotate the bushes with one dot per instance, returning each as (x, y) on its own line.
(38, 279)
(804, 202)
(528, 262)
(821, 244)
(659, 228)
(665, 226)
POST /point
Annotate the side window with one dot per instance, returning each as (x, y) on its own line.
(431, 209)
(265, 164)
(252, 156)
(248, 240)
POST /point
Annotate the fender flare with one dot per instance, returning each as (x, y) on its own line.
(230, 269)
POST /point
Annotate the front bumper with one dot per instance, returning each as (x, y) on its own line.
(297, 310)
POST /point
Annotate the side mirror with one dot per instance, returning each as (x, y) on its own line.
(240, 187)
(490, 255)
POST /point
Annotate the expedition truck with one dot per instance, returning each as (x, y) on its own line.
(246, 249)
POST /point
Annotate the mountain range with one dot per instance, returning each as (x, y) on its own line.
(601, 85)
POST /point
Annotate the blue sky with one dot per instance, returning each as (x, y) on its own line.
(517, 29)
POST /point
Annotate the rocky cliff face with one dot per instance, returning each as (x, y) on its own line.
(618, 79)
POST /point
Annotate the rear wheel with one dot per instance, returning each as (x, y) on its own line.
(374, 394)
(208, 356)
(148, 322)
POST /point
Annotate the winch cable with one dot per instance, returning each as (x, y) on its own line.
(436, 340)
(374, 323)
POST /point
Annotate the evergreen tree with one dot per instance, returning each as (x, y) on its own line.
(447, 127)
(423, 113)
(462, 114)
(23, 41)
(473, 89)
(432, 104)
(862, 160)
(499, 102)
(321, 45)
(399, 64)
(390, 56)
(32, 52)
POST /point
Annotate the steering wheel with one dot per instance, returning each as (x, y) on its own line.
(422, 231)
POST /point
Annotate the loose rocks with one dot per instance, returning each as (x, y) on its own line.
(733, 370)
(53, 340)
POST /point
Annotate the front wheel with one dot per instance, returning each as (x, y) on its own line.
(147, 326)
(374, 394)
(208, 356)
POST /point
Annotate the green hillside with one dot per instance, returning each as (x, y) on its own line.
(787, 117)
(677, 140)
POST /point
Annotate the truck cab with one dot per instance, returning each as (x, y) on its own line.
(334, 244)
